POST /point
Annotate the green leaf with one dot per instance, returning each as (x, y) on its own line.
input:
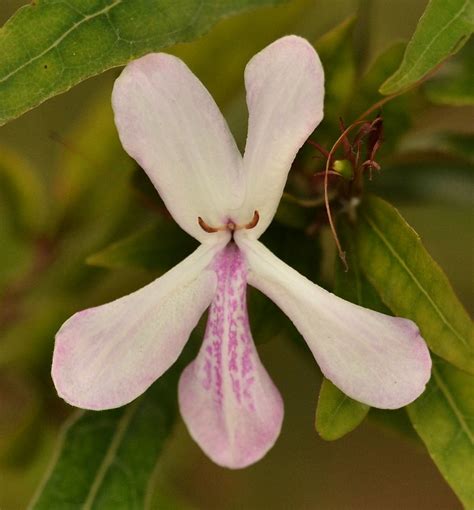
(337, 414)
(411, 283)
(444, 418)
(107, 457)
(442, 30)
(158, 246)
(49, 46)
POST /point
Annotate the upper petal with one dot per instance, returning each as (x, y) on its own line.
(104, 357)
(285, 93)
(374, 358)
(227, 399)
(170, 124)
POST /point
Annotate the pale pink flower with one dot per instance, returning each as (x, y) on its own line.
(107, 356)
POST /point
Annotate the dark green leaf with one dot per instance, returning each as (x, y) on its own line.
(49, 46)
(411, 283)
(107, 457)
(444, 418)
(156, 247)
(441, 31)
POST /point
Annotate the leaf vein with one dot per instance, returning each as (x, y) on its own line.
(415, 65)
(414, 278)
(452, 404)
(56, 43)
(110, 456)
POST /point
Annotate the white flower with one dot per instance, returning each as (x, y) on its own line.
(107, 356)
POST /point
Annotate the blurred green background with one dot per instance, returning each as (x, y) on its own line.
(67, 191)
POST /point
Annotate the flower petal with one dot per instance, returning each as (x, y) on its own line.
(374, 358)
(285, 93)
(170, 124)
(104, 357)
(228, 401)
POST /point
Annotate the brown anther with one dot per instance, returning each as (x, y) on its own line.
(230, 225)
(206, 227)
(254, 221)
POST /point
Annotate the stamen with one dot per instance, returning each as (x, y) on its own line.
(206, 227)
(253, 222)
(230, 225)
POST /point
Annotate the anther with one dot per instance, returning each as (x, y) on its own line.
(206, 227)
(253, 222)
(230, 225)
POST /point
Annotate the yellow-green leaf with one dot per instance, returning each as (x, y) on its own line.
(337, 414)
(48, 47)
(411, 283)
(444, 419)
(442, 30)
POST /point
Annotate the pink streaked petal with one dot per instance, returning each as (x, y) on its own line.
(227, 399)
(285, 94)
(105, 357)
(170, 124)
(374, 358)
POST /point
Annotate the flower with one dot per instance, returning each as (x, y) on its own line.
(107, 356)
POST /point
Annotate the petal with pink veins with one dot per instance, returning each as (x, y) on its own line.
(285, 94)
(227, 399)
(374, 358)
(105, 357)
